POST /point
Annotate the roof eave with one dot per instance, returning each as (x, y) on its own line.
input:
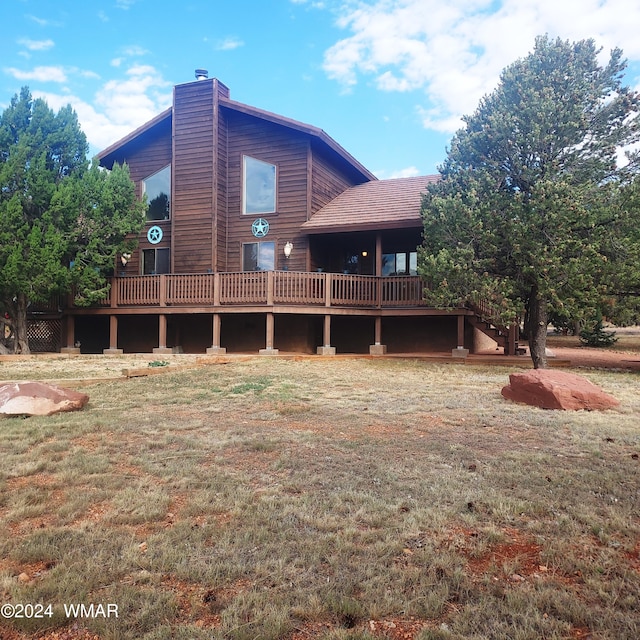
(110, 150)
(374, 225)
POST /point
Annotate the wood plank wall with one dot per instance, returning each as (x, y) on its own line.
(205, 143)
(327, 181)
(288, 150)
(222, 190)
(193, 166)
(151, 153)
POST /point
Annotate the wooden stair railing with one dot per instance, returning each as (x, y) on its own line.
(486, 320)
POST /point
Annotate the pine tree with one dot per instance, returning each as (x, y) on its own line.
(55, 212)
(528, 213)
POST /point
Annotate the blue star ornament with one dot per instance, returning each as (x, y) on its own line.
(260, 228)
(154, 235)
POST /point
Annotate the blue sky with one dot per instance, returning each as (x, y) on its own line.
(387, 79)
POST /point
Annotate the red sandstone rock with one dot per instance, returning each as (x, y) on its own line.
(38, 399)
(552, 389)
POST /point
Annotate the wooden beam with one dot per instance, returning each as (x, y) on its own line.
(113, 337)
(113, 332)
(460, 331)
(326, 333)
(378, 330)
(270, 331)
(162, 331)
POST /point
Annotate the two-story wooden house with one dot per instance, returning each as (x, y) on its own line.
(263, 235)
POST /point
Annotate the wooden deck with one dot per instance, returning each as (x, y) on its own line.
(271, 293)
(266, 288)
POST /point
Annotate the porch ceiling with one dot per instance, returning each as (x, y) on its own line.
(380, 204)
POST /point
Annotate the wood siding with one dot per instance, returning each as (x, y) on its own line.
(222, 189)
(151, 153)
(286, 149)
(193, 178)
(327, 181)
(204, 141)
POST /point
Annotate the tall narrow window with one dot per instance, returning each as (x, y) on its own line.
(157, 188)
(259, 256)
(259, 186)
(155, 261)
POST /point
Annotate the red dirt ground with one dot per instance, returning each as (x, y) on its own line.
(515, 546)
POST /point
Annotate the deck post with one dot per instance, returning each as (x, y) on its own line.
(271, 281)
(510, 347)
(377, 349)
(328, 286)
(69, 340)
(216, 290)
(269, 350)
(113, 338)
(215, 349)
(162, 335)
(114, 292)
(378, 270)
(162, 294)
(460, 351)
(326, 349)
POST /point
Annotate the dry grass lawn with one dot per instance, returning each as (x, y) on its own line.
(316, 498)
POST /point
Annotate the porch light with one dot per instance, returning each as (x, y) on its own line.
(124, 258)
(288, 248)
(365, 254)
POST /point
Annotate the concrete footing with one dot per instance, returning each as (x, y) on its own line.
(326, 351)
(377, 349)
(216, 351)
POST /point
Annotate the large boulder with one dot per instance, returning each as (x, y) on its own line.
(38, 399)
(552, 389)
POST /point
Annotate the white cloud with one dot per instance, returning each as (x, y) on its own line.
(407, 172)
(39, 74)
(40, 21)
(36, 45)
(314, 5)
(134, 50)
(228, 44)
(120, 106)
(455, 51)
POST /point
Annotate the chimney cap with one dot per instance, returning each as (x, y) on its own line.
(202, 74)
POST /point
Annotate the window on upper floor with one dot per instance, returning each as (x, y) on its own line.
(259, 256)
(258, 186)
(157, 188)
(404, 263)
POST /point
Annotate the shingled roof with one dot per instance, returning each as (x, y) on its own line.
(380, 204)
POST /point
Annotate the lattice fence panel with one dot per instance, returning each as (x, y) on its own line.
(44, 335)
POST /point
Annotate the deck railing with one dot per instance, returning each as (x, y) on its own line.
(243, 288)
(266, 288)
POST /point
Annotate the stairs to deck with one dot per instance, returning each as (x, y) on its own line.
(506, 336)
